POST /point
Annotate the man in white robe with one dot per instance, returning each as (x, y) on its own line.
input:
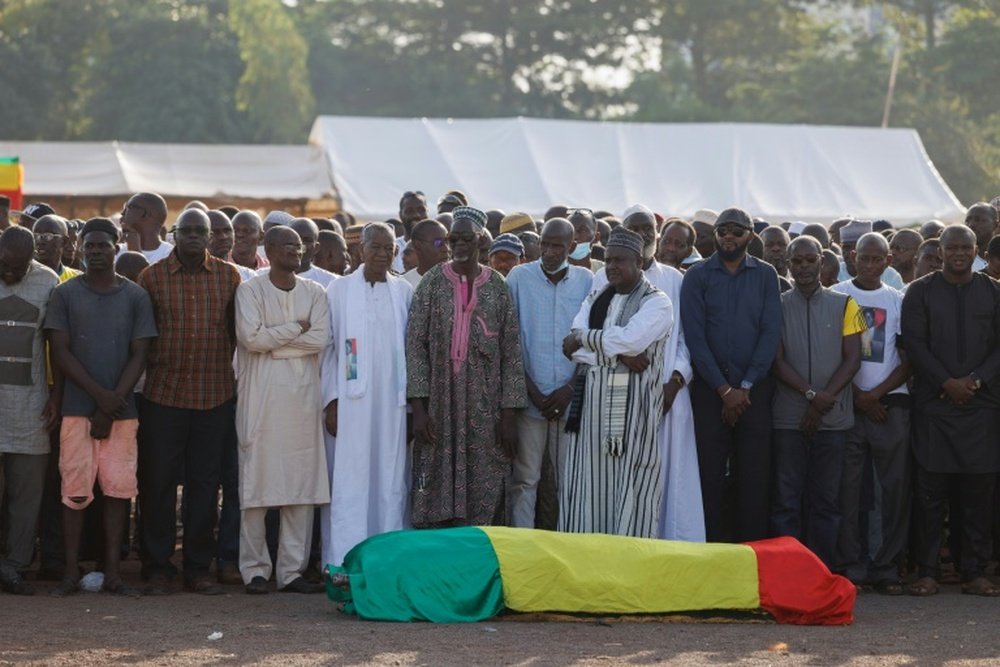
(364, 391)
(612, 482)
(681, 513)
(282, 327)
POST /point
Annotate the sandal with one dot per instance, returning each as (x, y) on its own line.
(119, 587)
(980, 586)
(68, 586)
(923, 587)
(889, 587)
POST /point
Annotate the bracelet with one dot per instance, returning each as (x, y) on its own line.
(726, 392)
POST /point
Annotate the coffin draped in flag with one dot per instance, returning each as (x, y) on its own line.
(472, 574)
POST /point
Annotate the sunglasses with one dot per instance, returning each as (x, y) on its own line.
(735, 232)
(437, 243)
(45, 237)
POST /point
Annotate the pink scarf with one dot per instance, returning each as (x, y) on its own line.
(465, 307)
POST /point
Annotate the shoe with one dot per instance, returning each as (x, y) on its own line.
(889, 587)
(158, 584)
(120, 588)
(980, 586)
(16, 585)
(229, 575)
(300, 585)
(257, 586)
(203, 585)
(923, 587)
(66, 587)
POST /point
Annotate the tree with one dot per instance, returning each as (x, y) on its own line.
(274, 91)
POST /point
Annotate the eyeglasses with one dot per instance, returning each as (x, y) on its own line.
(129, 205)
(45, 237)
(735, 232)
(437, 243)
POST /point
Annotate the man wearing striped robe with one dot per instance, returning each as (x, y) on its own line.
(613, 481)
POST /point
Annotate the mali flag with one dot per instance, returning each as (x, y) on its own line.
(12, 180)
(471, 574)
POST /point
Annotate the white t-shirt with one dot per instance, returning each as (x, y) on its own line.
(152, 256)
(879, 355)
(412, 277)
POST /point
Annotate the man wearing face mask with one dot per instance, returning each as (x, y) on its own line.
(586, 235)
(731, 315)
(681, 516)
(547, 295)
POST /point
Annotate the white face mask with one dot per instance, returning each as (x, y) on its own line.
(565, 263)
(582, 251)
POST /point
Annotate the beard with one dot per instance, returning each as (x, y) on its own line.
(648, 252)
(730, 255)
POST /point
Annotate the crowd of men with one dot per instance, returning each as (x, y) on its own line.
(311, 383)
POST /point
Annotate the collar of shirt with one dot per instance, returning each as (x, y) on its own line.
(714, 262)
(174, 263)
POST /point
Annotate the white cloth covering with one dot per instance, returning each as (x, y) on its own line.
(682, 516)
(278, 416)
(368, 460)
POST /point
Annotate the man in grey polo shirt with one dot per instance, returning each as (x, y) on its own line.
(819, 353)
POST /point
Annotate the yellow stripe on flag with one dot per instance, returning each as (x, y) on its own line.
(10, 176)
(592, 573)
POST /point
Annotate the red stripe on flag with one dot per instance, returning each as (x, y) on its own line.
(797, 588)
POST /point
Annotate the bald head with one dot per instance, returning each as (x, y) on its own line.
(18, 242)
(809, 241)
(872, 241)
(280, 235)
(304, 226)
(953, 233)
(51, 224)
(249, 218)
(130, 264)
(819, 233)
(558, 228)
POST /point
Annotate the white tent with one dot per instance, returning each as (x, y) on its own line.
(186, 170)
(778, 172)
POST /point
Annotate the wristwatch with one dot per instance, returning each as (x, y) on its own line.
(976, 381)
(746, 386)
(809, 394)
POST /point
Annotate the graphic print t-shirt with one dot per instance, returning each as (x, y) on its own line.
(879, 355)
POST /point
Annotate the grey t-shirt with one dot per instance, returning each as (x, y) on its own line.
(101, 326)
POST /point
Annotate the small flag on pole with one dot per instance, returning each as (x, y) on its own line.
(12, 180)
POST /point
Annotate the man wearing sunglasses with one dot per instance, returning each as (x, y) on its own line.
(731, 314)
(430, 242)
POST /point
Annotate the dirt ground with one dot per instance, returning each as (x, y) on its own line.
(289, 629)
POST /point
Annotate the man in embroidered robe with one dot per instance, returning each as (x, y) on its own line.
(465, 380)
(613, 481)
(364, 391)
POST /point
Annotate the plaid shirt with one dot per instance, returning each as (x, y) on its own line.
(191, 364)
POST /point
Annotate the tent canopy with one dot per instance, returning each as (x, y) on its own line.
(187, 170)
(779, 172)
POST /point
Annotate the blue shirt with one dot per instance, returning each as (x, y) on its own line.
(545, 312)
(732, 321)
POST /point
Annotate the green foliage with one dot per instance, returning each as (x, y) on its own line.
(274, 90)
(258, 70)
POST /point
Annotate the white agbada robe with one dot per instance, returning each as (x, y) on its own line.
(368, 460)
(279, 415)
(682, 516)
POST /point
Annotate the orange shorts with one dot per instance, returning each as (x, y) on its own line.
(83, 460)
